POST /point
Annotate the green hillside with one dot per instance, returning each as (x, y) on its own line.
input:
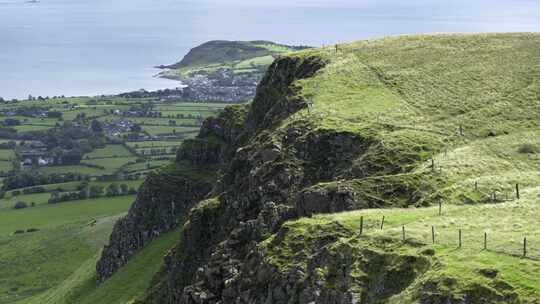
(442, 113)
(41, 246)
(126, 285)
(237, 56)
(397, 126)
(421, 141)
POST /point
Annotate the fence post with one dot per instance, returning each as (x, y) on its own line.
(485, 240)
(459, 244)
(517, 191)
(476, 186)
(461, 130)
(432, 164)
(440, 207)
(524, 247)
(433, 234)
(361, 224)
(403, 232)
(382, 222)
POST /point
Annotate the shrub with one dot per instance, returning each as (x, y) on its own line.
(18, 231)
(32, 230)
(528, 149)
(20, 205)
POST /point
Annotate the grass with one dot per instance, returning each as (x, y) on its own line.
(127, 284)
(470, 103)
(54, 215)
(29, 128)
(111, 164)
(153, 144)
(5, 166)
(37, 198)
(68, 233)
(67, 169)
(159, 130)
(236, 56)
(506, 224)
(6, 155)
(109, 151)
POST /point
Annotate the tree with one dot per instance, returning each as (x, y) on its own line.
(12, 122)
(95, 191)
(124, 189)
(96, 126)
(113, 190)
(20, 205)
(54, 114)
(83, 193)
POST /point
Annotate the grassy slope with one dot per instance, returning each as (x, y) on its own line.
(411, 94)
(127, 284)
(68, 233)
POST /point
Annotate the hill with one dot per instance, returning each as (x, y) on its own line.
(396, 170)
(225, 70)
(223, 54)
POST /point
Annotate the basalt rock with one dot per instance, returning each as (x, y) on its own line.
(273, 174)
(165, 198)
(161, 205)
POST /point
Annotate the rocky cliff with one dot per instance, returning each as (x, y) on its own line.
(284, 166)
(166, 197)
(328, 131)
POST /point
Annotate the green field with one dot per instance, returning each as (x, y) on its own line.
(6, 166)
(110, 164)
(36, 198)
(29, 128)
(109, 151)
(6, 155)
(128, 284)
(152, 144)
(160, 130)
(68, 234)
(146, 166)
(77, 169)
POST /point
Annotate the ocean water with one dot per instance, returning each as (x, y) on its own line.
(83, 47)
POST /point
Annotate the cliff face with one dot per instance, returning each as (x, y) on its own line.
(161, 205)
(166, 197)
(281, 169)
(325, 134)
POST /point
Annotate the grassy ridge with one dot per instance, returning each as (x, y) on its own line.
(455, 110)
(237, 56)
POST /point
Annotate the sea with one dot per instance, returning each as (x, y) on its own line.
(94, 47)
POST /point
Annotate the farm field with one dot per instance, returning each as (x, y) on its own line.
(5, 166)
(48, 243)
(65, 235)
(110, 151)
(127, 284)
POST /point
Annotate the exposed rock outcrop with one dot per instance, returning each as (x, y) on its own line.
(161, 205)
(166, 197)
(273, 172)
(247, 241)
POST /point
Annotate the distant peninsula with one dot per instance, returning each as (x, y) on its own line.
(224, 71)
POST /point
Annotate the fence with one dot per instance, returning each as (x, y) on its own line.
(470, 236)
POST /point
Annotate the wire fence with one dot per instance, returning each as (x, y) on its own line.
(459, 236)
